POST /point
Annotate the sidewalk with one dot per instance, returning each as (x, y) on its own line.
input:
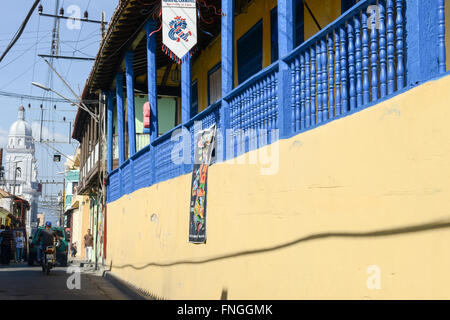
(103, 272)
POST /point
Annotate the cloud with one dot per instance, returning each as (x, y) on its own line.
(46, 133)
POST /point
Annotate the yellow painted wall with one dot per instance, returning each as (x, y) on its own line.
(325, 11)
(385, 168)
(84, 210)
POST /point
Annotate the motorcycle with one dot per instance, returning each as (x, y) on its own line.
(49, 258)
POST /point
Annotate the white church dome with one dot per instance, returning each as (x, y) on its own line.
(20, 127)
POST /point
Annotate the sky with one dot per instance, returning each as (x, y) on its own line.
(22, 66)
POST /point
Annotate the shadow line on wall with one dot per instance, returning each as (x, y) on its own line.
(441, 224)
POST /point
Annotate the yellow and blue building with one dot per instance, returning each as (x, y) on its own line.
(357, 183)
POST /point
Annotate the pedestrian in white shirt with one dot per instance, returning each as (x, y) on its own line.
(20, 240)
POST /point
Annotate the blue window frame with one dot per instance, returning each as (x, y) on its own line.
(194, 98)
(250, 52)
(299, 31)
(347, 4)
(215, 83)
(274, 35)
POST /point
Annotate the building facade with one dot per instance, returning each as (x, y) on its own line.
(329, 116)
(21, 166)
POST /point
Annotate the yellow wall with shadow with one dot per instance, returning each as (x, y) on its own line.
(383, 168)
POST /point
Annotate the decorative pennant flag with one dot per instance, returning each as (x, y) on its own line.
(179, 27)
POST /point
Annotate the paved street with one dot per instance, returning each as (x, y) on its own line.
(23, 282)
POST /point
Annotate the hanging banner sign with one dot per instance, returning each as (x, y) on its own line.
(179, 27)
(204, 146)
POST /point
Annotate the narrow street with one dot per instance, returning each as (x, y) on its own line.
(22, 282)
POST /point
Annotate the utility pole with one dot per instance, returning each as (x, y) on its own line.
(42, 119)
(55, 43)
(103, 24)
(14, 186)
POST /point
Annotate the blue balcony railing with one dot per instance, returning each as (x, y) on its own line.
(254, 108)
(373, 51)
(357, 60)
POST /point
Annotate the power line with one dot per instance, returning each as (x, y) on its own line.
(21, 29)
(25, 52)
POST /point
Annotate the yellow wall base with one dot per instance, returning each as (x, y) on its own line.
(385, 168)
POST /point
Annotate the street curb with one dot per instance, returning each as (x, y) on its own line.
(123, 286)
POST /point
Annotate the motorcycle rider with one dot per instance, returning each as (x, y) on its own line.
(46, 239)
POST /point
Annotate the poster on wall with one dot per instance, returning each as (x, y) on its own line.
(203, 150)
(179, 27)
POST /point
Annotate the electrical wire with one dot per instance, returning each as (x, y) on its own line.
(76, 45)
(20, 31)
(25, 52)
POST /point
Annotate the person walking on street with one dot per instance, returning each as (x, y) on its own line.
(20, 240)
(88, 242)
(7, 242)
(73, 250)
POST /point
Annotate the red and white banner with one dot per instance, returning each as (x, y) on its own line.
(179, 27)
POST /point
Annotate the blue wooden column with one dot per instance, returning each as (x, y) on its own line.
(285, 45)
(227, 38)
(120, 117)
(109, 126)
(422, 39)
(129, 55)
(151, 26)
(441, 35)
(186, 84)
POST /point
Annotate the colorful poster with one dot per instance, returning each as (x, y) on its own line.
(179, 27)
(204, 146)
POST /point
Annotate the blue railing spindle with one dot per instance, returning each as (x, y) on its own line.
(297, 94)
(331, 75)
(313, 86)
(351, 66)
(358, 57)
(292, 66)
(302, 93)
(267, 90)
(374, 57)
(382, 34)
(261, 124)
(255, 110)
(365, 57)
(319, 81)
(261, 113)
(441, 36)
(399, 39)
(275, 101)
(344, 91)
(390, 46)
(324, 81)
(337, 71)
(273, 109)
(308, 89)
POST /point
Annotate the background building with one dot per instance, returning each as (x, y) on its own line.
(20, 166)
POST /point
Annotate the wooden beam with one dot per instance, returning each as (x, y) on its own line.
(166, 74)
